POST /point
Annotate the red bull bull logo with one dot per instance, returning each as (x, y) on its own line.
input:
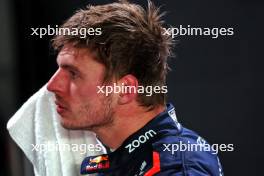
(99, 159)
(99, 162)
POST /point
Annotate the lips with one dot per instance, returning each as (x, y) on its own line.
(60, 107)
(60, 104)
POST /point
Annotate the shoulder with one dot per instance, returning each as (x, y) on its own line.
(184, 151)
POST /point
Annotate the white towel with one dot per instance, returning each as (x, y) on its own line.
(53, 150)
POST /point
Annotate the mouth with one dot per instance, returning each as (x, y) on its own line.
(60, 107)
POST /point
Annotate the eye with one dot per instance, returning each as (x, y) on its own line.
(73, 74)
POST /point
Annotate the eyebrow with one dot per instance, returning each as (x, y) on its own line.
(70, 67)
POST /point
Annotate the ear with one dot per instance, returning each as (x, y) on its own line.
(129, 85)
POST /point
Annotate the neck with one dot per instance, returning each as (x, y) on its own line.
(127, 121)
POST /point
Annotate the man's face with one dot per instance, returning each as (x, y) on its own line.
(75, 87)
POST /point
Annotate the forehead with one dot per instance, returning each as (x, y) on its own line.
(70, 54)
(81, 58)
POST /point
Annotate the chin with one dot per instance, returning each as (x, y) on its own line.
(72, 126)
(68, 125)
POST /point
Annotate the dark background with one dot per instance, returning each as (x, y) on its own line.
(215, 84)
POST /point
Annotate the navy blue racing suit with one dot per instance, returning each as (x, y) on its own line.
(163, 147)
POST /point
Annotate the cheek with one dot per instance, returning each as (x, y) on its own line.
(85, 92)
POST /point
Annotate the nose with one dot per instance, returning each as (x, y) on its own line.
(57, 82)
